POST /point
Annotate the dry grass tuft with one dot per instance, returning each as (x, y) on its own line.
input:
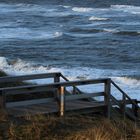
(42, 127)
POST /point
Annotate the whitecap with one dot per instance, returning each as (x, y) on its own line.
(127, 8)
(97, 18)
(110, 30)
(27, 34)
(128, 81)
(65, 6)
(58, 34)
(81, 9)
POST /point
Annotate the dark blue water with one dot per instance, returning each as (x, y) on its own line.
(85, 38)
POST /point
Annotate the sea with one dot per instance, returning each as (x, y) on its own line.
(82, 39)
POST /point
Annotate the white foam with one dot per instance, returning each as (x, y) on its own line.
(110, 30)
(128, 81)
(65, 6)
(82, 9)
(25, 33)
(97, 18)
(127, 8)
(21, 7)
(58, 34)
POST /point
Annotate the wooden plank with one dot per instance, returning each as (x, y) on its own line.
(27, 77)
(29, 102)
(52, 107)
(41, 88)
(29, 91)
(86, 110)
(83, 96)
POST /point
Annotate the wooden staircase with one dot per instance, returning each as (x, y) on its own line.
(62, 100)
(130, 112)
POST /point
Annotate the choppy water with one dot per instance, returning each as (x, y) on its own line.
(81, 40)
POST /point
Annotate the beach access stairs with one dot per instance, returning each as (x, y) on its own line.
(63, 97)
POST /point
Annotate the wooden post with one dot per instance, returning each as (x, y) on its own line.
(62, 101)
(2, 100)
(107, 97)
(135, 108)
(56, 93)
(123, 104)
(57, 78)
(74, 90)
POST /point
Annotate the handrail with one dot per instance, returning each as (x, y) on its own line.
(68, 81)
(34, 88)
(124, 93)
(115, 100)
(7, 79)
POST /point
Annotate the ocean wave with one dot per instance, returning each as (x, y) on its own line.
(22, 7)
(111, 30)
(119, 32)
(81, 9)
(19, 66)
(27, 34)
(97, 18)
(65, 6)
(128, 81)
(131, 33)
(127, 8)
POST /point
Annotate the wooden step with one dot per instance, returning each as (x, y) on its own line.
(130, 114)
(78, 106)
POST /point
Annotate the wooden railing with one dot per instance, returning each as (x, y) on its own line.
(59, 88)
(75, 89)
(8, 79)
(125, 99)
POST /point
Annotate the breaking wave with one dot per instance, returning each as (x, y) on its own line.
(27, 34)
(20, 67)
(81, 9)
(127, 8)
(97, 18)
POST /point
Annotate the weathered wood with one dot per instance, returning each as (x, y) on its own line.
(2, 99)
(135, 108)
(124, 93)
(57, 77)
(62, 101)
(41, 88)
(76, 106)
(115, 101)
(83, 96)
(75, 89)
(107, 97)
(8, 79)
(1, 102)
(57, 80)
(27, 91)
(29, 102)
(123, 107)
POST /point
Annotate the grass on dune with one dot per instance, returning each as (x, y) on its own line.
(41, 127)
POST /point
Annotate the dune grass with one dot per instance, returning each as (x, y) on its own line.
(41, 127)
